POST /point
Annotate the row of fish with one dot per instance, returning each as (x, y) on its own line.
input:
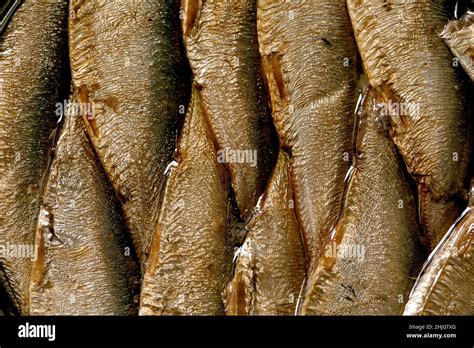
(237, 157)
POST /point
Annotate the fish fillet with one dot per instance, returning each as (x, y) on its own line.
(126, 62)
(191, 257)
(407, 61)
(445, 286)
(33, 61)
(271, 264)
(459, 36)
(83, 262)
(221, 44)
(308, 58)
(369, 263)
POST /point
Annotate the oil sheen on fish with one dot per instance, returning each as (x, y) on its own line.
(83, 262)
(370, 263)
(308, 57)
(446, 284)
(406, 60)
(271, 263)
(221, 44)
(33, 57)
(126, 63)
(190, 259)
(459, 36)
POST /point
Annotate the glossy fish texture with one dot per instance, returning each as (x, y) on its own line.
(127, 66)
(407, 61)
(271, 264)
(370, 262)
(191, 255)
(308, 58)
(221, 44)
(446, 284)
(459, 36)
(83, 263)
(33, 60)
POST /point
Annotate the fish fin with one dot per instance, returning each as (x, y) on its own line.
(239, 293)
(191, 11)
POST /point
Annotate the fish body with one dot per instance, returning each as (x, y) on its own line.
(33, 61)
(445, 285)
(459, 36)
(191, 256)
(271, 264)
(308, 55)
(83, 264)
(407, 61)
(128, 70)
(222, 47)
(374, 253)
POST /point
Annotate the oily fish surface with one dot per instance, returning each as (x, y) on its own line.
(459, 36)
(191, 256)
(446, 286)
(370, 262)
(83, 262)
(308, 58)
(126, 63)
(410, 64)
(271, 264)
(221, 44)
(33, 52)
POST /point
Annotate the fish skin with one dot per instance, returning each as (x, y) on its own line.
(372, 283)
(459, 36)
(127, 61)
(271, 266)
(312, 96)
(445, 285)
(33, 62)
(81, 266)
(222, 47)
(191, 256)
(406, 60)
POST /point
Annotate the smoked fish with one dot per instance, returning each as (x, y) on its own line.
(407, 61)
(191, 258)
(459, 36)
(308, 54)
(446, 283)
(222, 47)
(83, 263)
(271, 264)
(33, 74)
(374, 254)
(127, 62)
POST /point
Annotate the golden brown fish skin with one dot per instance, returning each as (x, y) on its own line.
(222, 47)
(126, 61)
(459, 36)
(33, 58)
(83, 264)
(379, 220)
(271, 265)
(308, 58)
(405, 58)
(445, 286)
(190, 259)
